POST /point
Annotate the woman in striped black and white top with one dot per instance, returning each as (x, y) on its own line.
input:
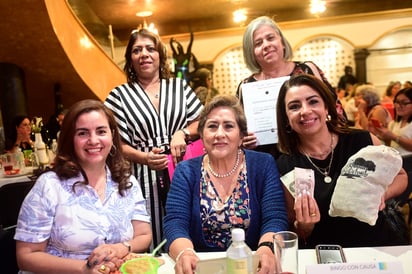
(154, 113)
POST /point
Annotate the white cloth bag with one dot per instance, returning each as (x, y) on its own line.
(363, 181)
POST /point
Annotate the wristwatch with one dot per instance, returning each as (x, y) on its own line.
(129, 247)
(268, 244)
(186, 132)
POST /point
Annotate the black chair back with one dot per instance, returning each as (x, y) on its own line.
(11, 198)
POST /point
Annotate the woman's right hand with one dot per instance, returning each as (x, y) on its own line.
(307, 213)
(155, 160)
(250, 141)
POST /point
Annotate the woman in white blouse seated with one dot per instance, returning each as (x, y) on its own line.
(87, 213)
(398, 134)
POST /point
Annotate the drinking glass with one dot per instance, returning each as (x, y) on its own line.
(286, 252)
(10, 164)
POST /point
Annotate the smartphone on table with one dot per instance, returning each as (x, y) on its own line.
(329, 254)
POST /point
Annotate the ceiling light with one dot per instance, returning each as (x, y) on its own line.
(145, 13)
(239, 16)
(151, 27)
(317, 6)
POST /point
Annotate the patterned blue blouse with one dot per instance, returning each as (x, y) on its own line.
(218, 217)
(74, 223)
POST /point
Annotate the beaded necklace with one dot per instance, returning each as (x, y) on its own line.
(217, 175)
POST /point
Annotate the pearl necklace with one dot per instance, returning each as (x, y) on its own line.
(324, 171)
(217, 175)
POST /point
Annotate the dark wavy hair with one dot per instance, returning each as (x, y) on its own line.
(288, 139)
(229, 101)
(408, 93)
(11, 140)
(164, 71)
(66, 161)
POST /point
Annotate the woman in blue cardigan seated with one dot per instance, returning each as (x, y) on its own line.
(228, 187)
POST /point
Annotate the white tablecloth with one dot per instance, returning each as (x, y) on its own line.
(308, 257)
(15, 179)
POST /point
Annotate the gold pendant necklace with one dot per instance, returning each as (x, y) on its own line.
(325, 171)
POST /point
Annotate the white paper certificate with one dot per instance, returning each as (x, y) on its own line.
(259, 101)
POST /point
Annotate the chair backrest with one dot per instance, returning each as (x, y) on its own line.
(11, 198)
(8, 261)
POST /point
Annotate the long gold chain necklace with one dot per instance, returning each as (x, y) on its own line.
(325, 171)
(217, 175)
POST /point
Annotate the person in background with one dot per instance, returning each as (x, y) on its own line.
(54, 124)
(267, 55)
(371, 113)
(87, 213)
(398, 134)
(154, 113)
(228, 187)
(311, 136)
(20, 135)
(342, 95)
(347, 78)
(387, 100)
(350, 107)
(407, 84)
(202, 85)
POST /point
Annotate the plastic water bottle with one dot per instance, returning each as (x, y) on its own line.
(239, 255)
(20, 160)
(54, 146)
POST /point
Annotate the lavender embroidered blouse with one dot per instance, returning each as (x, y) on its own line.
(74, 223)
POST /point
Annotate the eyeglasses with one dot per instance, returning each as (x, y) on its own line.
(402, 103)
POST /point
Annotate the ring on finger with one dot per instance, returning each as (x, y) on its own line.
(313, 215)
(102, 268)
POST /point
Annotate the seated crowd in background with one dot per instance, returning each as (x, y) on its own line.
(371, 113)
(388, 98)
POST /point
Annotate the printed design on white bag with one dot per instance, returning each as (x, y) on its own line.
(358, 168)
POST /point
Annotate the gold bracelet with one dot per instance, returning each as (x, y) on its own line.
(183, 251)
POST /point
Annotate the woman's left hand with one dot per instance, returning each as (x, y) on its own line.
(178, 146)
(106, 254)
(266, 260)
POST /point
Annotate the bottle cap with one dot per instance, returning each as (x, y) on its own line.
(238, 234)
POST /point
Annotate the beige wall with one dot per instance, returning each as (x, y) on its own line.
(361, 32)
(367, 31)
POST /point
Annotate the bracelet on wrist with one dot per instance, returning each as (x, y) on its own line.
(187, 133)
(129, 247)
(183, 251)
(267, 244)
